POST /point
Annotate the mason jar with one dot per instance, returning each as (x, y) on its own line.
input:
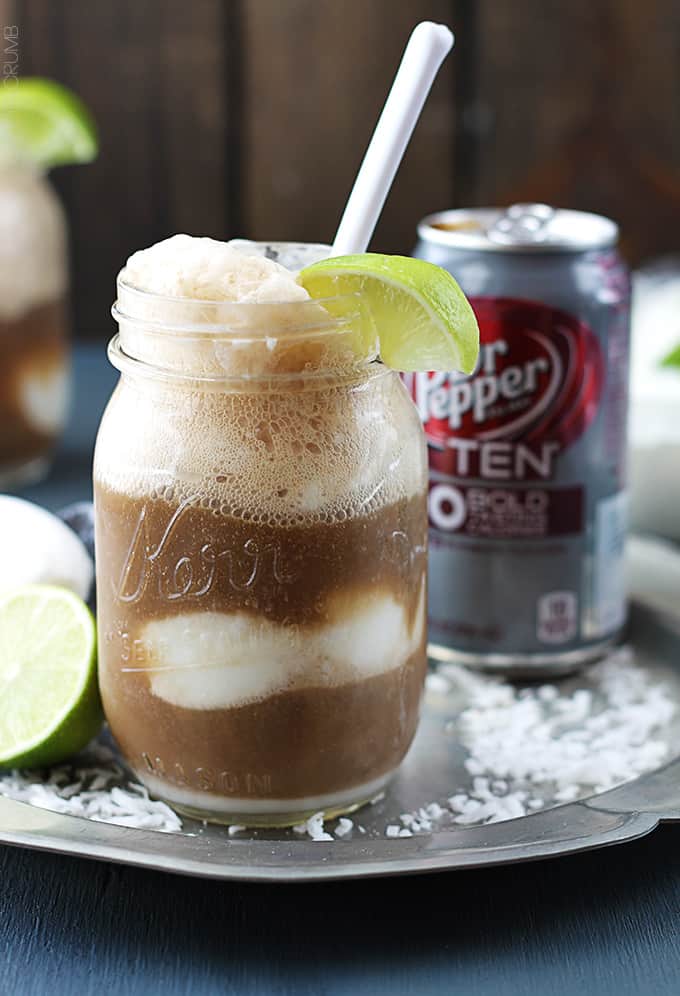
(34, 349)
(260, 501)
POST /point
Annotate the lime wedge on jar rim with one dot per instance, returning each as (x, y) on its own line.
(49, 700)
(422, 318)
(45, 123)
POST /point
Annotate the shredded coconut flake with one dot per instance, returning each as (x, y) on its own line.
(534, 747)
(344, 827)
(314, 828)
(95, 788)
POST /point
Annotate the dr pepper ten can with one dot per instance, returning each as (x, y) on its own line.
(527, 497)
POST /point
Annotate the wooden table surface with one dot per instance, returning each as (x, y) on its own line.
(607, 922)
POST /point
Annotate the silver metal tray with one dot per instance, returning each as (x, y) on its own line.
(434, 763)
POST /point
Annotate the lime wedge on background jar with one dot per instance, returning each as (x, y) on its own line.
(45, 123)
(424, 320)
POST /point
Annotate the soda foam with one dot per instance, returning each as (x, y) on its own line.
(317, 455)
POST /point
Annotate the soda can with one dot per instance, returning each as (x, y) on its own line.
(527, 456)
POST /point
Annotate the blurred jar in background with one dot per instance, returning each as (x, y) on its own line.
(34, 346)
(654, 430)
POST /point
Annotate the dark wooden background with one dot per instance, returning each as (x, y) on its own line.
(250, 117)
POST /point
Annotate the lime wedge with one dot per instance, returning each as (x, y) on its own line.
(422, 318)
(45, 123)
(49, 700)
(673, 358)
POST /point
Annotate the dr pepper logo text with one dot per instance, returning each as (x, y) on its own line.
(536, 389)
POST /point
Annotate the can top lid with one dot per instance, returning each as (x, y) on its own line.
(519, 228)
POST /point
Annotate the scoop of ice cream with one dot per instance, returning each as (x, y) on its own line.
(44, 395)
(218, 660)
(38, 548)
(202, 269)
(32, 241)
(226, 311)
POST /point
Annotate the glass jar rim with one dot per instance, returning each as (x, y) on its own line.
(313, 315)
(220, 342)
(368, 367)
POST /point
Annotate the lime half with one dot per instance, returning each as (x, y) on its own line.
(422, 318)
(49, 700)
(45, 123)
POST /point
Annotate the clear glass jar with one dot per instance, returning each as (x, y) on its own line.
(34, 346)
(260, 504)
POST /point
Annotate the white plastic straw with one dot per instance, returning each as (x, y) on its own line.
(428, 45)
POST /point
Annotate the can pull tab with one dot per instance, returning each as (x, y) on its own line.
(522, 224)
